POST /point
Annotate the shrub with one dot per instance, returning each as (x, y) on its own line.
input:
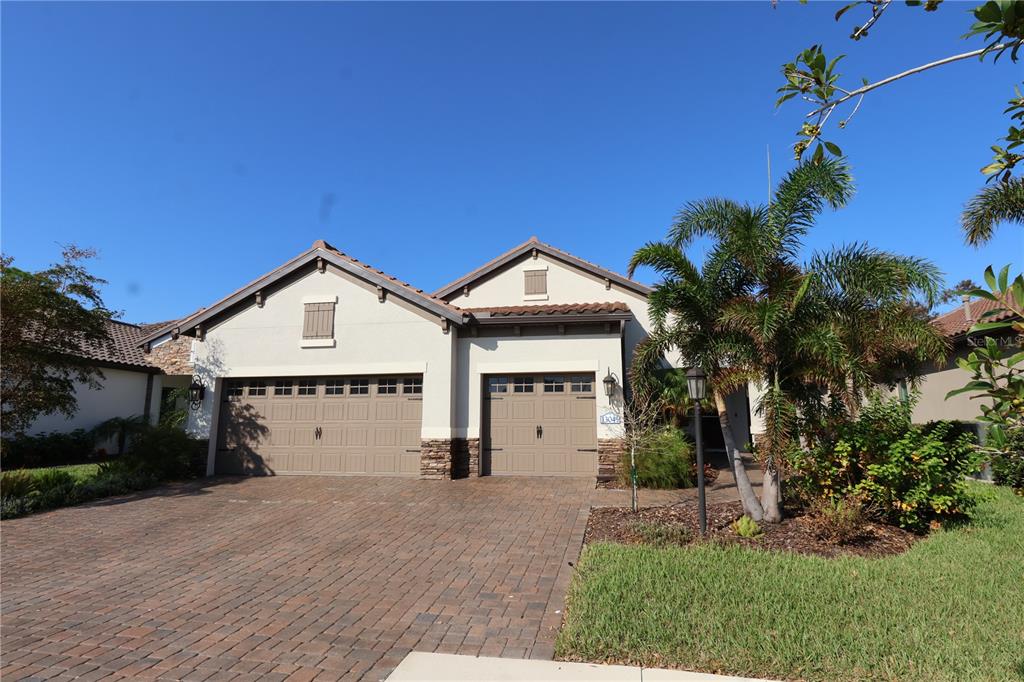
(56, 488)
(660, 535)
(840, 521)
(17, 493)
(913, 475)
(166, 452)
(663, 460)
(47, 450)
(1008, 466)
(746, 527)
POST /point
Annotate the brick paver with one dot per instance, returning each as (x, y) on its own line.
(288, 578)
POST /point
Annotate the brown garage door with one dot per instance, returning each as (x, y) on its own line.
(540, 425)
(325, 425)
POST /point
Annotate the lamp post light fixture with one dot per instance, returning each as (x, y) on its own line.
(609, 384)
(696, 382)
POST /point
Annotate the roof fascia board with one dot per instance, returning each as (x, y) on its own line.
(527, 248)
(563, 318)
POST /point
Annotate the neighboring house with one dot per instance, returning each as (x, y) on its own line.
(131, 383)
(941, 379)
(329, 366)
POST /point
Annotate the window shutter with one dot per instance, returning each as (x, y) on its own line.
(536, 282)
(318, 322)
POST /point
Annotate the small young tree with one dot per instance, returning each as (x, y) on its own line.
(640, 413)
(46, 317)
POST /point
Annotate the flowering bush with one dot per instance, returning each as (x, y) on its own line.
(913, 476)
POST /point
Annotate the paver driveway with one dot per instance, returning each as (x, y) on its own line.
(289, 577)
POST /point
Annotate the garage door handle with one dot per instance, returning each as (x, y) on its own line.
(417, 450)
(586, 449)
(586, 397)
(540, 431)
(317, 432)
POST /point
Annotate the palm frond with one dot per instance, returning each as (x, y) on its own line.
(1002, 202)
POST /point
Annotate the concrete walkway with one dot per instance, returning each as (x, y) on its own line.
(428, 667)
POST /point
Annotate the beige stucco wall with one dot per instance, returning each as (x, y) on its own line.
(123, 394)
(392, 337)
(524, 354)
(566, 284)
(938, 381)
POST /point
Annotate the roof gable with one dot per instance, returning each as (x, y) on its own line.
(527, 247)
(319, 250)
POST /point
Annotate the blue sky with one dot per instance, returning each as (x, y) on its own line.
(198, 145)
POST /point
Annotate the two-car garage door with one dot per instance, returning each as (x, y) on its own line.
(324, 425)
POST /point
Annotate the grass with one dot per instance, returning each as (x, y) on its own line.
(80, 472)
(952, 608)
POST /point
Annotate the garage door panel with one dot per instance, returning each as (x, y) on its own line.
(553, 409)
(522, 410)
(583, 409)
(358, 410)
(327, 430)
(514, 445)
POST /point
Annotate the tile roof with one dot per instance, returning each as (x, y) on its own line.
(121, 349)
(534, 243)
(553, 309)
(415, 291)
(955, 322)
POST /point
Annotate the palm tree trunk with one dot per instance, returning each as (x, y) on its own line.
(750, 504)
(770, 495)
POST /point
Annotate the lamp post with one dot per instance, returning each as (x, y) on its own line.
(696, 383)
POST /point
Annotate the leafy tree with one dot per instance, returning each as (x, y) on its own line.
(809, 334)
(814, 78)
(48, 316)
(996, 373)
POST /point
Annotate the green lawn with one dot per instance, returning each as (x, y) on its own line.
(952, 608)
(80, 472)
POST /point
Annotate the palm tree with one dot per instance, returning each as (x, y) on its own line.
(752, 312)
(1001, 202)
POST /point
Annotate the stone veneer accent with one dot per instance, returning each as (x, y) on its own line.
(436, 458)
(172, 357)
(443, 459)
(609, 457)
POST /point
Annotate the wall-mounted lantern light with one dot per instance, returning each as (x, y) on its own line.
(196, 391)
(609, 384)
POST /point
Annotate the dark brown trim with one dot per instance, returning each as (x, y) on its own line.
(560, 319)
(533, 246)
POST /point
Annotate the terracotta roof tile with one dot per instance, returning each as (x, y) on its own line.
(553, 309)
(121, 349)
(955, 322)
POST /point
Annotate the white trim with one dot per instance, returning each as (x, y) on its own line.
(535, 367)
(320, 298)
(528, 267)
(317, 343)
(535, 297)
(366, 369)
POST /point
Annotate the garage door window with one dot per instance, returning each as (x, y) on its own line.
(497, 385)
(234, 389)
(387, 386)
(554, 384)
(258, 388)
(334, 387)
(522, 385)
(282, 388)
(412, 386)
(307, 387)
(581, 384)
(359, 387)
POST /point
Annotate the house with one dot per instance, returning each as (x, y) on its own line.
(327, 365)
(131, 385)
(940, 379)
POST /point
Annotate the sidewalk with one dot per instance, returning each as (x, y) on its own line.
(427, 667)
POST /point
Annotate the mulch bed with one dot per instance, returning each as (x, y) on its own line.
(793, 534)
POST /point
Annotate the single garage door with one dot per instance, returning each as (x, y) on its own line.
(324, 425)
(540, 425)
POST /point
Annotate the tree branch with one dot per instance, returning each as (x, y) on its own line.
(876, 14)
(910, 72)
